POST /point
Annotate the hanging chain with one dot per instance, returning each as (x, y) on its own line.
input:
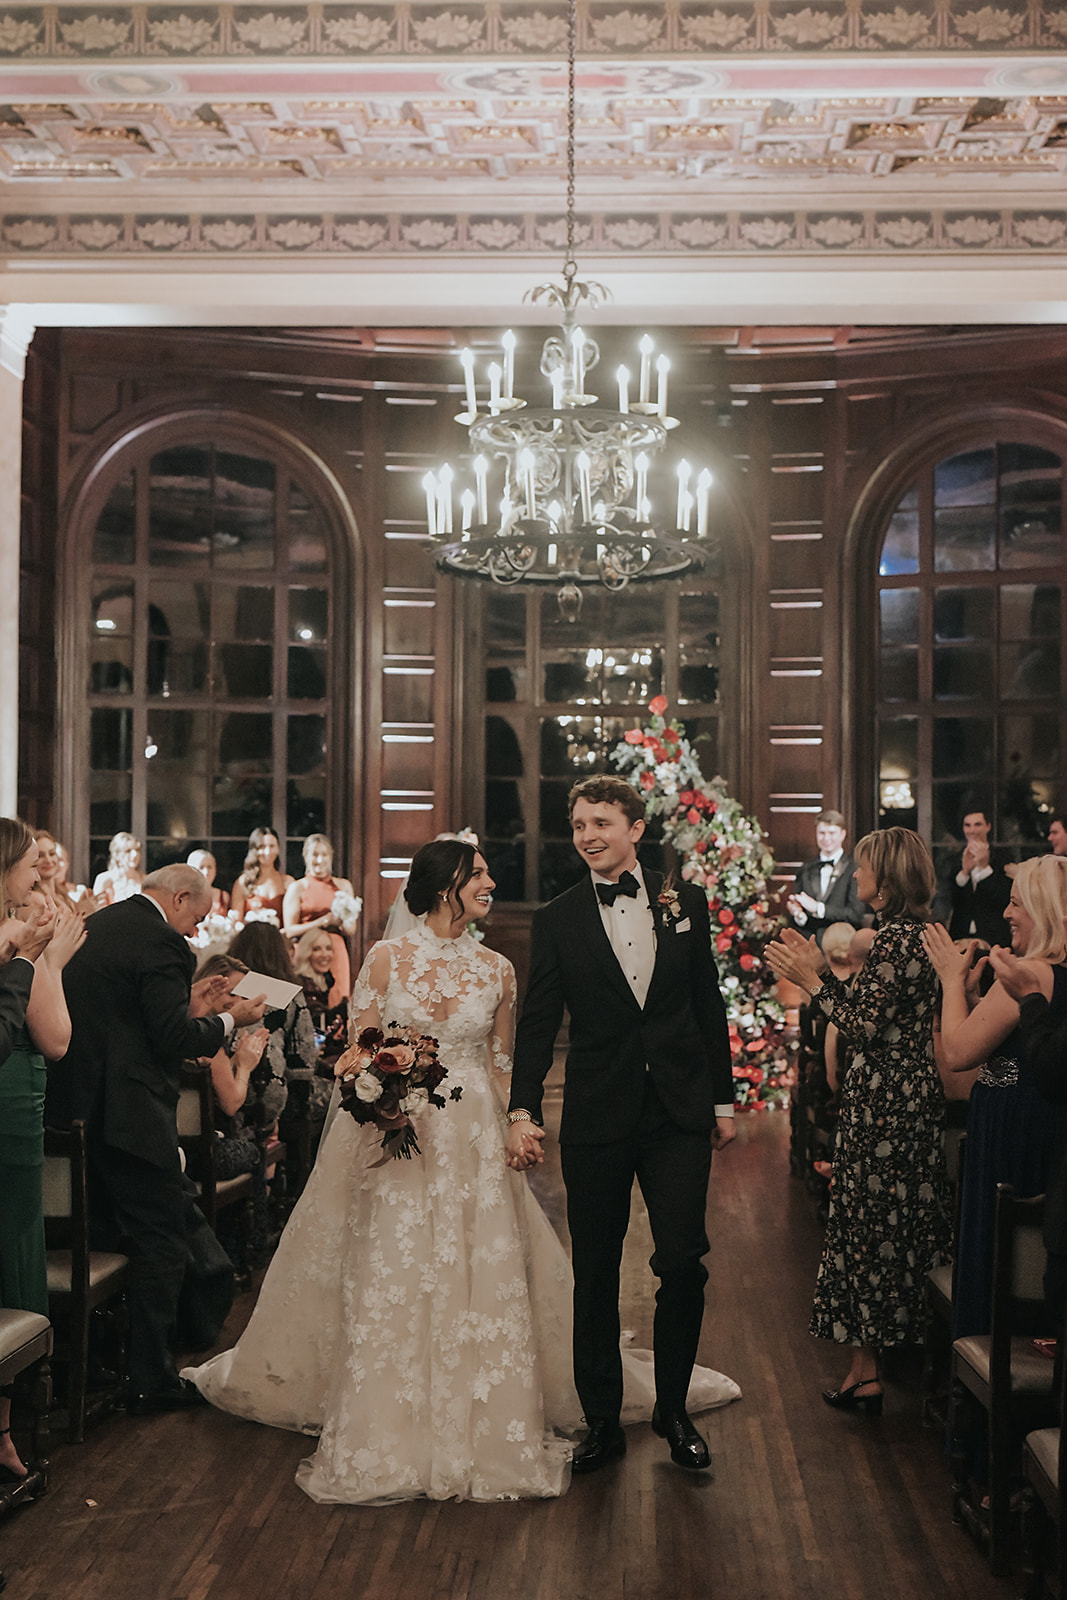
(570, 266)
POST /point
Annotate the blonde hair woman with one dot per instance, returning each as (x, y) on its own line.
(1009, 1130)
(889, 1215)
(123, 877)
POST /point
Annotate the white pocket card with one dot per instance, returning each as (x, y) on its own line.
(684, 926)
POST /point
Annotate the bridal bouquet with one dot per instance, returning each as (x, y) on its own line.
(389, 1074)
(345, 907)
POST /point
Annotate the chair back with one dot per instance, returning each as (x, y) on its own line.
(196, 1132)
(66, 1198)
(1018, 1274)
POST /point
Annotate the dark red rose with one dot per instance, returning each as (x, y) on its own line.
(370, 1038)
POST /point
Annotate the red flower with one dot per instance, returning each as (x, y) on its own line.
(747, 962)
(701, 847)
(693, 815)
(722, 943)
(634, 736)
(726, 916)
(648, 779)
(670, 737)
(370, 1038)
(658, 706)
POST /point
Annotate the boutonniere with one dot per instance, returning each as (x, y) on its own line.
(668, 898)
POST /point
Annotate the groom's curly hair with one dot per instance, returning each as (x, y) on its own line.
(609, 791)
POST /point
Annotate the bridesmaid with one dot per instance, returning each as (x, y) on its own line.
(309, 903)
(51, 875)
(23, 1270)
(205, 862)
(123, 877)
(262, 885)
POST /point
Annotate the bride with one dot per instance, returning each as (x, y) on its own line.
(416, 1315)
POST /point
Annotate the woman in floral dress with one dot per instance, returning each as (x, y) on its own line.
(889, 1213)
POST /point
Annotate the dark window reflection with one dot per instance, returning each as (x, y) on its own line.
(307, 674)
(305, 808)
(500, 684)
(114, 540)
(506, 860)
(306, 744)
(110, 740)
(503, 753)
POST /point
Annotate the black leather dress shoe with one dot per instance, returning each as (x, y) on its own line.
(182, 1396)
(604, 1442)
(689, 1448)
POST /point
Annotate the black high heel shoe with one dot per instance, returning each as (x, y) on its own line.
(849, 1400)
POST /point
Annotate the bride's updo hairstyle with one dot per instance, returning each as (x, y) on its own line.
(440, 870)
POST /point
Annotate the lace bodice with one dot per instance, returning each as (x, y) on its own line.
(463, 991)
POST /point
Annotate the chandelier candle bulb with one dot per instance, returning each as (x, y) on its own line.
(646, 347)
(683, 490)
(429, 483)
(623, 376)
(585, 488)
(495, 376)
(467, 359)
(508, 341)
(481, 468)
(687, 511)
(552, 555)
(466, 501)
(703, 489)
(663, 366)
(578, 354)
(444, 499)
(557, 389)
(642, 483)
(526, 467)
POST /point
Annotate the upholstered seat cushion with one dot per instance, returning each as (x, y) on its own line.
(1044, 1447)
(1031, 1373)
(19, 1328)
(103, 1264)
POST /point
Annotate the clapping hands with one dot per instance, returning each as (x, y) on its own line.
(29, 936)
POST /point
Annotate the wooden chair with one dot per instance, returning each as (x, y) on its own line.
(1002, 1371)
(196, 1134)
(25, 1359)
(941, 1296)
(1044, 1524)
(80, 1280)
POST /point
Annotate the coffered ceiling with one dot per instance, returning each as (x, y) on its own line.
(416, 151)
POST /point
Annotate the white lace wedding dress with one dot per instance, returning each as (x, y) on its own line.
(417, 1314)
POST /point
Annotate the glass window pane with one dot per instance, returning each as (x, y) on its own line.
(698, 622)
(900, 548)
(962, 747)
(698, 683)
(963, 614)
(1030, 671)
(900, 675)
(576, 679)
(503, 808)
(177, 666)
(309, 615)
(110, 666)
(307, 538)
(969, 479)
(1029, 475)
(503, 753)
(179, 609)
(110, 741)
(113, 602)
(591, 627)
(305, 808)
(1030, 536)
(574, 747)
(244, 671)
(179, 506)
(176, 776)
(558, 868)
(964, 539)
(950, 803)
(505, 623)
(555, 822)
(506, 859)
(240, 802)
(114, 535)
(306, 744)
(245, 743)
(307, 674)
(110, 805)
(900, 616)
(1030, 744)
(1029, 611)
(899, 755)
(244, 518)
(703, 736)
(963, 673)
(505, 683)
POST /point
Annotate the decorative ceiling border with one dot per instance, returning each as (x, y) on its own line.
(524, 29)
(890, 231)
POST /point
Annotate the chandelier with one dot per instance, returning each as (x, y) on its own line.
(571, 507)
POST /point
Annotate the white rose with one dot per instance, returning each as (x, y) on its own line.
(414, 1101)
(368, 1087)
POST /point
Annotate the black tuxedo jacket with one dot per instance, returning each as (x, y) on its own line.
(984, 904)
(680, 1035)
(841, 901)
(127, 991)
(16, 980)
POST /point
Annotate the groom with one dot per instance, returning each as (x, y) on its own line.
(648, 1094)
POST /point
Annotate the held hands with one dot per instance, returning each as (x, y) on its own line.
(250, 1047)
(797, 959)
(524, 1145)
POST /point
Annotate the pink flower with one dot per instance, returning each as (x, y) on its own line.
(658, 706)
(634, 736)
(692, 815)
(397, 1059)
(648, 779)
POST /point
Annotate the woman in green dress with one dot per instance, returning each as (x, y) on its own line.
(23, 1274)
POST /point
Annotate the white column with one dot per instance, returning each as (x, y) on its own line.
(16, 331)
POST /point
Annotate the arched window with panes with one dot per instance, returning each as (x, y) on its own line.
(205, 634)
(970, 691)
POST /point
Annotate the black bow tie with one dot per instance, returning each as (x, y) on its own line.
(608, 893)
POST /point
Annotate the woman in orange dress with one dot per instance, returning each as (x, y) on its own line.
(319, 900)
(262, 885)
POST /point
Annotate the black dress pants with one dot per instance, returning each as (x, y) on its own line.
(139, 1208)
(672, 1168)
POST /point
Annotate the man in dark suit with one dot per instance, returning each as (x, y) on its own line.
(980, 891)
(128, 992)
(648, 1093)
(824, 890)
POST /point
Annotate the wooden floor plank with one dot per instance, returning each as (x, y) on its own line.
(807, 1503)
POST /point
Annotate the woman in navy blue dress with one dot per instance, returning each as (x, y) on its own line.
(1009, 1130)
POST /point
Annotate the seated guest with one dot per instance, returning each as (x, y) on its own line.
(50, 874)
(980, 891)
(205, 862)
(123, 877)
(312, 959)
(319, 900)
(824, 890)
(237, 1149)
